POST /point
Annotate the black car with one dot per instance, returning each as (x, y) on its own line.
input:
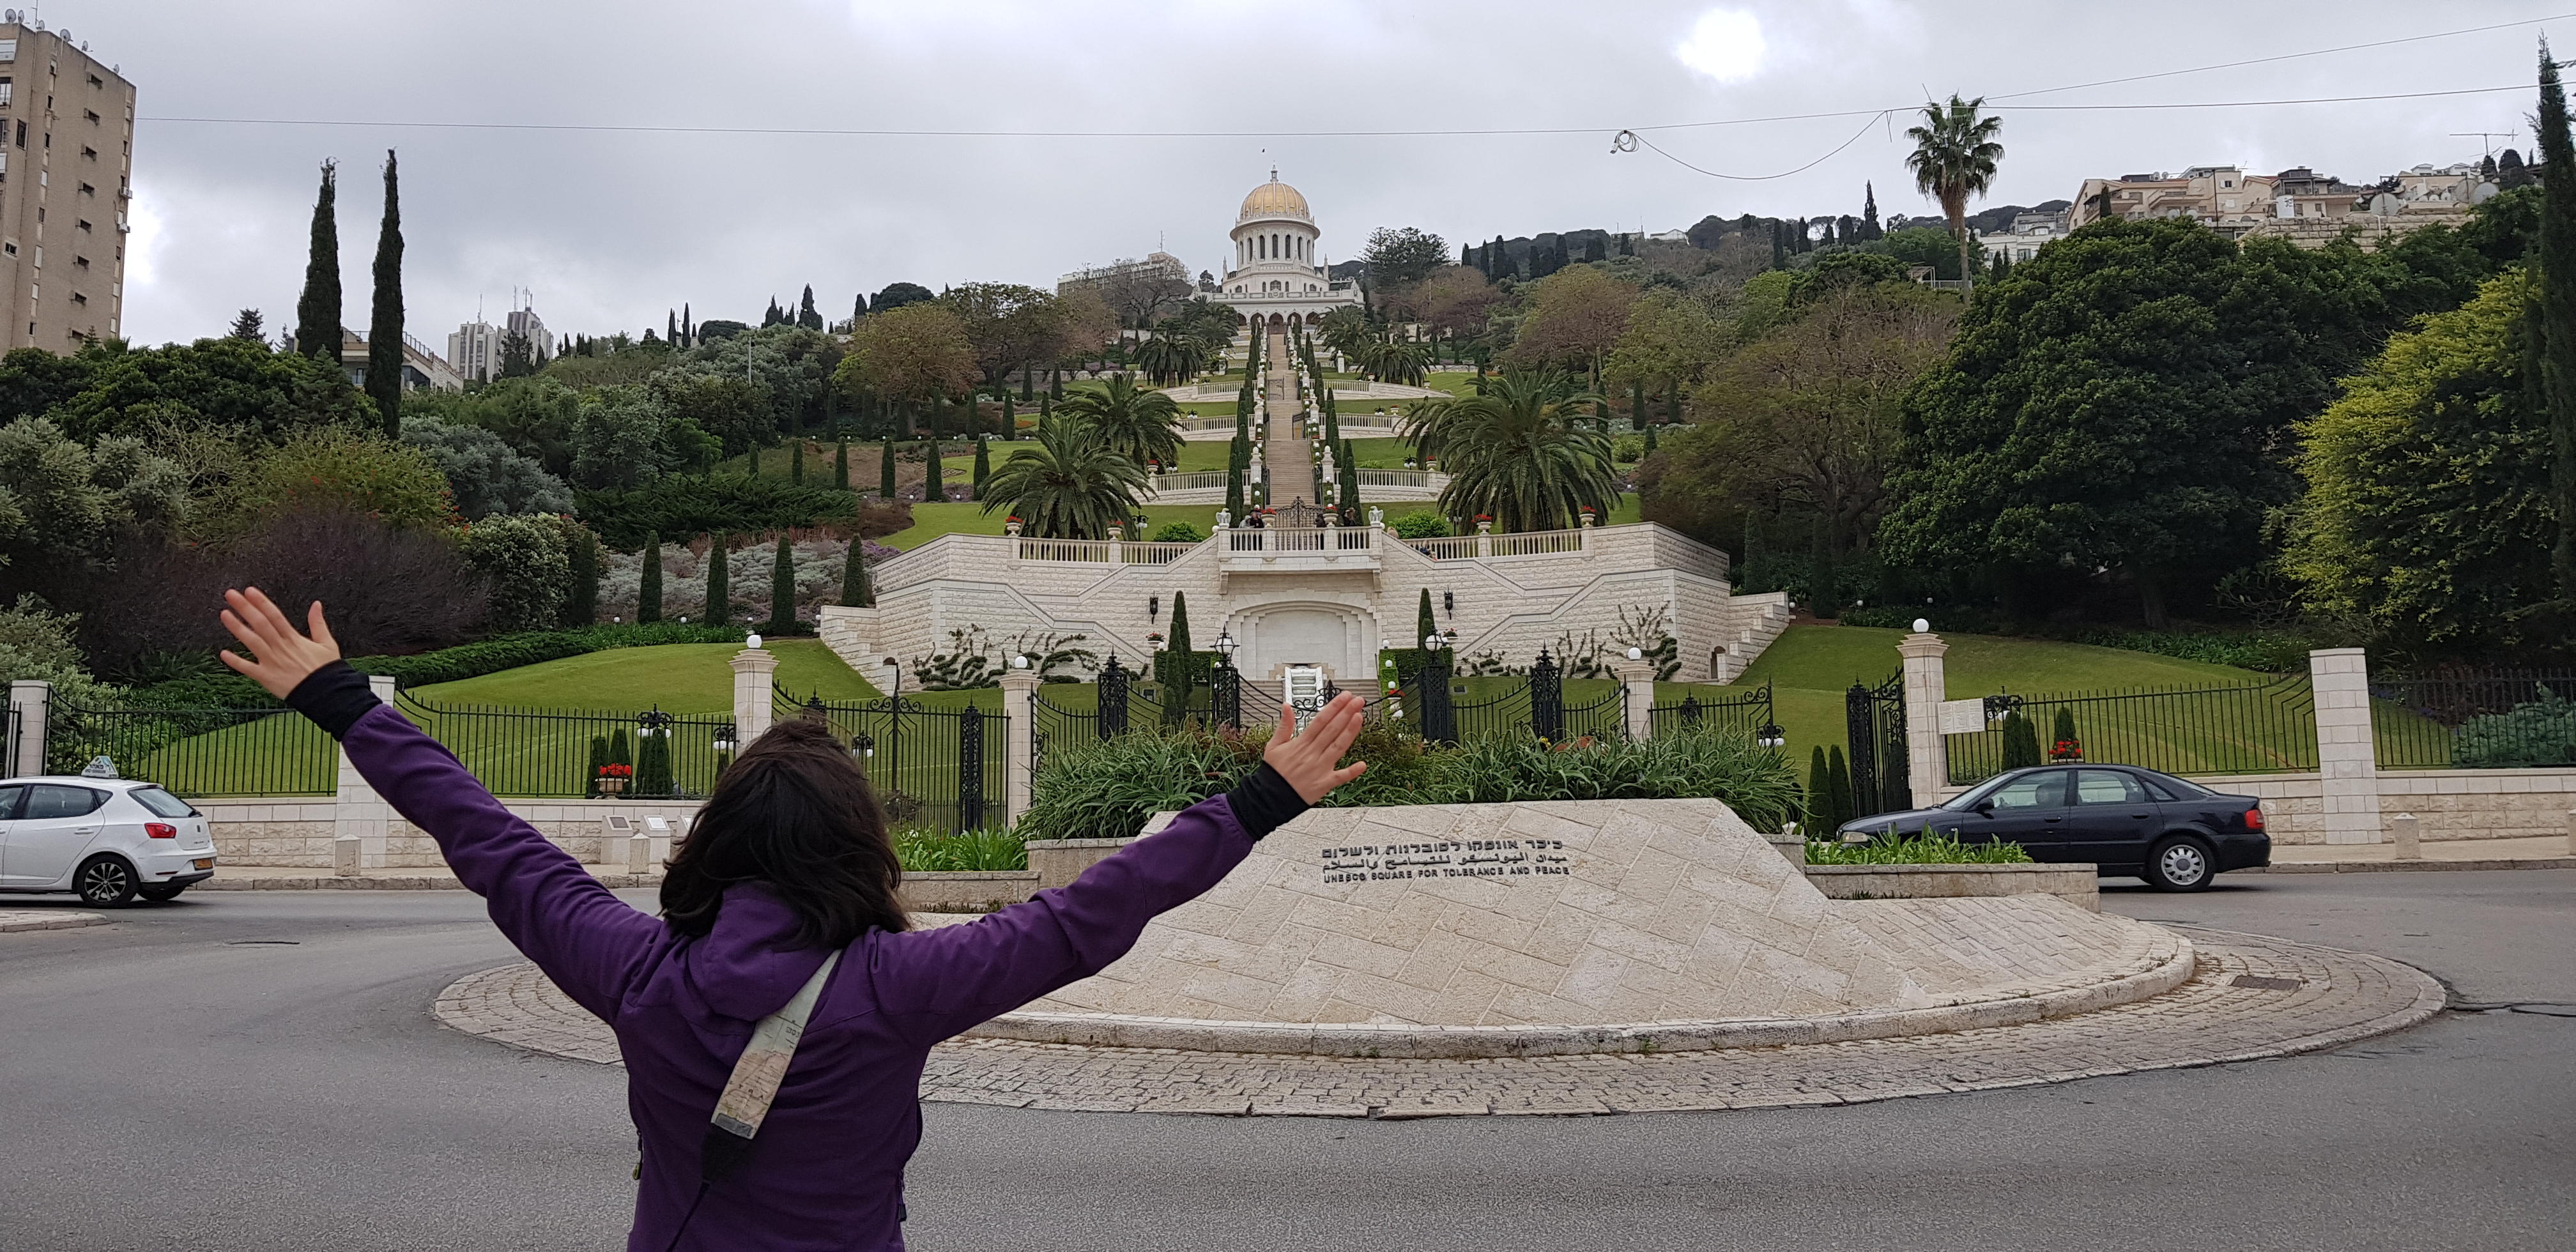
(2129, 821)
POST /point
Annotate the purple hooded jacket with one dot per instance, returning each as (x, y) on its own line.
(827, 1168)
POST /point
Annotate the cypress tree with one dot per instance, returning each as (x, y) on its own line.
(2021, 742)
(1424, 624)
(1010, 419)
(1838, 787)
(1637, 404)
(1673, 402)
(935, 486)
(671, 325)
(719, 580)
(2556, 320)
(2061, 732)
(1028, 380)
(841, 465)
(618, 754)
(1650, 440)
(885, 470)
(854, 575)
(983, 465)
(796, 461)
(385, 323)
(1055, 384)
(598, 759)
(1349, 488)
(653, 762)
(1869, 227)
(1332, 421)
(1236, 458)
(1820, 802)
(317, 311)
(1180, 642)
(648, 599)
(782, 589)
(581, 601)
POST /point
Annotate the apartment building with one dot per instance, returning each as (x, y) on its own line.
(62, 241)
(2220, 196)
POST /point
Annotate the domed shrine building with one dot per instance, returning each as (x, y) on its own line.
(1279, 276)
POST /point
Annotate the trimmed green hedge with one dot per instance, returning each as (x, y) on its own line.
(471, 660)
(690, 504)
(1107, 790)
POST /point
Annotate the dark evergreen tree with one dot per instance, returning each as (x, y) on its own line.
(1869, 227)
(2061, 736)
(688, 329)
(1179, 646)
(1838, 788)
(249, 326)
(2557, 314)
(841, 465)
(1673, 402)
(719, 580)
(581, 601)
(1424, 624)
(782, 589)
(983, 465)
(934, 487)
(854, 575)
(1820, 795)
(1637, 405)
(1779, 246)
(2511, 172)
(885, 470)
(648, 598)
(796, 460)
(1010, 422)
(2021, 742)
(671, 325)
(317, 311)
(653, 761)
(1593, 251)
(806, 315)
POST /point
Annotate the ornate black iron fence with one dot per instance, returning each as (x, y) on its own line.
(1875, 737)
(2241, 728)
(550, 753)
(939, 770)
(1749, 714)
(2474, 718)
(192, 752)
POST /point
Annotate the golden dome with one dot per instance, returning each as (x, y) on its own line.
(1274, 199)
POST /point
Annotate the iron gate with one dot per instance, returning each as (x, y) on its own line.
(1875, 718)
(939, 770)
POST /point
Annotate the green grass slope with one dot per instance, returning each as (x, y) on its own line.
(677, 678)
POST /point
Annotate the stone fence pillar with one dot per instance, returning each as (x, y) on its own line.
(2346, 763)
(359, 817)
(1927, 754)
(32, 700)
(755, 671)
(1638, 680)
(1019, 704)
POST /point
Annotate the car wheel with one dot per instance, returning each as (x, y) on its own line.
(2180, 865)
(160, 894)
(106, 881)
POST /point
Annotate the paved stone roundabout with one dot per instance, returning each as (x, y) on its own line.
(2251, 997)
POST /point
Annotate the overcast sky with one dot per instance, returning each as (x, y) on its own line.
(609, 229)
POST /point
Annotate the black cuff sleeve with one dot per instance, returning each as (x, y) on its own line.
(1264, 802)
(335, 697)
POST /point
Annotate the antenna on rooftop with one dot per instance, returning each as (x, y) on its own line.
(2490, 136)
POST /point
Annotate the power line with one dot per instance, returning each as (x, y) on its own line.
(1628, 140)
(2290, 56)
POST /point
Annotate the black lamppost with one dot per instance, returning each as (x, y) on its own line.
(1227, 696)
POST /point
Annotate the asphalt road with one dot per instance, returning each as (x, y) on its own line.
(260, 1070)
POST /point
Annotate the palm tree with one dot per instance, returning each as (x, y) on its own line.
(1072, 485)
(1954, 158)
(1171, 358)
(1346, 330)
(1515, 452)
(1141, 424)
(1396, 360)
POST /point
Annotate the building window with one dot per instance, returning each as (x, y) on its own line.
(90, 152)
(78, 298)
(8, 49)
(96, 81)
(92, 115)
(7, 92)
(81, 261)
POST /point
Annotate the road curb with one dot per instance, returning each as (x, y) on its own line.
(2383, 867)
(30, 919)
(422, 882)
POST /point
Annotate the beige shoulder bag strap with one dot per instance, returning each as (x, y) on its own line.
(756, 1076)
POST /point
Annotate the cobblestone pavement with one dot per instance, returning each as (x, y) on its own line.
(2252, 997)
(42, 919)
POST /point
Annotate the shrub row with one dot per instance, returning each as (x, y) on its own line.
(472, 660)
(1107, 790)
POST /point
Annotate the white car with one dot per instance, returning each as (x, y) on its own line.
(105, 840)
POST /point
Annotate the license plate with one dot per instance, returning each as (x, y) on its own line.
(203, 862)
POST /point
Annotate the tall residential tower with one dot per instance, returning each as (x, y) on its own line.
(62, 241)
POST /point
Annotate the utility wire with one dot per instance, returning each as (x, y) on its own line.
(2289, 56)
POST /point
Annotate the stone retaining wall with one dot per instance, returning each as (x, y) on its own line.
(967, 891)
(2447, 803)
(298, 833)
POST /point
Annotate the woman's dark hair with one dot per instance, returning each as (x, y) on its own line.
(795, 815)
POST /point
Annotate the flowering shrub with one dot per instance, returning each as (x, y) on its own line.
(2066, 750)
(616, 771)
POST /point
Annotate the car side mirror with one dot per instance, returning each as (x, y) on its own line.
(1984, 808)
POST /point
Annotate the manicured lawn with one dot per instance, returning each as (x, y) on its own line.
(930, 521)
(677, 678)
(1812, 667)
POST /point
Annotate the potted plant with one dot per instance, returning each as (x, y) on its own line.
(613, 778)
